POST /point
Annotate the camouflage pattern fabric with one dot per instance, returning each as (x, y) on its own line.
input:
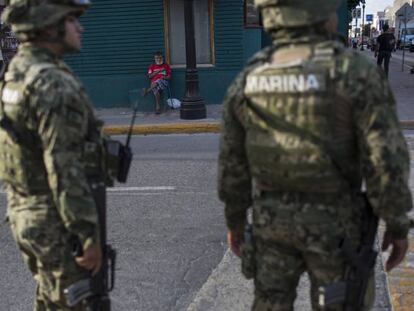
(292, 237)
(298, 229)
(58, 145)
(294, 13)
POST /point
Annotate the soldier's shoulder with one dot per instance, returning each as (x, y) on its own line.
(49, 86)
(50, 77)
(356, 63)
(260, 57)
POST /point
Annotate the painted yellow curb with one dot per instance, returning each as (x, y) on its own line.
(407, 124)
(169, 128)
(189, 128)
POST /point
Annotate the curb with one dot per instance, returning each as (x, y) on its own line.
(169, 128)
(189, 128)
(407, 124)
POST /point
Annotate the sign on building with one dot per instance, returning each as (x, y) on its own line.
(356, 13)
(251, 15)
(8, 41)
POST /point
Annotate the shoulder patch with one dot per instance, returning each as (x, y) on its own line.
(285, 83)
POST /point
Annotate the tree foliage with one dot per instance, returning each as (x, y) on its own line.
(353, 3)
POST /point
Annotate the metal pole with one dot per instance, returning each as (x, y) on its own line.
(405, 34)
(356, 22)
(363, 26)
(399, 31)
(192, 105)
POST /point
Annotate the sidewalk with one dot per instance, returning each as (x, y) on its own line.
(118, 120)
(401, 280)
(402, 83)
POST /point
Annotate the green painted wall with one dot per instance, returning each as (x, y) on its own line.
(252, 42)
(121, 36)
(343, 19)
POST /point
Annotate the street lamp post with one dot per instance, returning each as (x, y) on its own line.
(356, 22)
(192, 105)
(405, 37)
(363, 25)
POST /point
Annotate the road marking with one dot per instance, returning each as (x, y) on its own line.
(142, 191)
(174, 193)
(137, 189)
(132, 189)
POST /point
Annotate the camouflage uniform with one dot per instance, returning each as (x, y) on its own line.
(307, 86)
(49, 142)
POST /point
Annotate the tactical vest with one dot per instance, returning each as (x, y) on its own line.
(21, 154)
(294, 114)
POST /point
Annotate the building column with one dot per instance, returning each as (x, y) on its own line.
(192, 105)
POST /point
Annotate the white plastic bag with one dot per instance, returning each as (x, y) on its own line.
(173, 103)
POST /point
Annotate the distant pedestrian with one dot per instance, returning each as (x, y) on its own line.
(355, 43)
(159, 73)
(385, 45)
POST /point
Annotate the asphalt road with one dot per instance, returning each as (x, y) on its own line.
(166, 223)
(168, 228)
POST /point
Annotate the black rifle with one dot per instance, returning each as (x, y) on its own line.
(360, 262)
(95, 291)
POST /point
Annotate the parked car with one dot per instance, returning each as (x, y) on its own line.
(407, 35)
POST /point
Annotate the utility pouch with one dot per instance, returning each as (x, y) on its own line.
(124, 163)
(247, 251)
(112, 148)
(118, 160)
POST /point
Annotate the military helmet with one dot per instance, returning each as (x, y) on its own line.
(31, 15)
(278, 14)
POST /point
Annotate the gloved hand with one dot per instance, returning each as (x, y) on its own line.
(399, 249)
(91, 259)
(235, 240)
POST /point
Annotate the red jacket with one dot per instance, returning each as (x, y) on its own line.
(165, 73)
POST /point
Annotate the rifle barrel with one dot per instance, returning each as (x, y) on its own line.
(131, 127)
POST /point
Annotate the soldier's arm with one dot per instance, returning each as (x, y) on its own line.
(234, 181)
(385, 157)
(62, 127)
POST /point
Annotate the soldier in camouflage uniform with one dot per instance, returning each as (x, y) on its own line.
(49, 142)
(294, 101)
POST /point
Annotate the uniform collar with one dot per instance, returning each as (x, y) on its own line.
(38, 52)
(41, 55)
